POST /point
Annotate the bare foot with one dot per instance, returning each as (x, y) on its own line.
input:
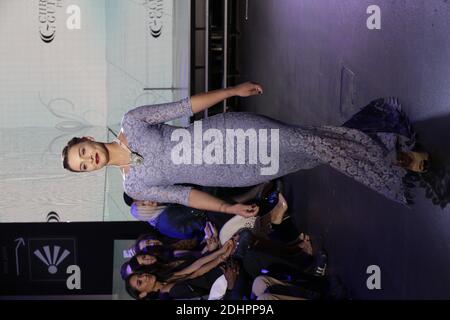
(305, 244)
(414, 161)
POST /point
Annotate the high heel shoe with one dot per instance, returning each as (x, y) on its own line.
(273, 186)
(277, 214)
(414, 161)
(320, 263)
(315, 242)
(265, 189)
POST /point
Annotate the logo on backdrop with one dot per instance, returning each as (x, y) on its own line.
(50, 258)
(155, 14)
(47, 19)
(54, 260)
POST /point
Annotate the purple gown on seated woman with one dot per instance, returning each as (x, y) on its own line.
(362, 150)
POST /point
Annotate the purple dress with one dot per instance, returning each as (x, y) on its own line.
(348, 150)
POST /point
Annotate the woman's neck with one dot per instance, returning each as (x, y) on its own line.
(118, 156)
(163, 287)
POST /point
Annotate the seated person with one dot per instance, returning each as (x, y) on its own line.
(258, 254)
(192, 281)
(180, 222)
(253, 255)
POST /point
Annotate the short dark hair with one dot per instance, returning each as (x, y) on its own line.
(65, 151)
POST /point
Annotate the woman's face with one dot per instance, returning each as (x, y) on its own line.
(145, 259)
(144, 283)
(87, 156)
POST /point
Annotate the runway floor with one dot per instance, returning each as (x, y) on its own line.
(319, 63)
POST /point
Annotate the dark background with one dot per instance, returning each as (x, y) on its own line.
(93, 243)
(302, 52)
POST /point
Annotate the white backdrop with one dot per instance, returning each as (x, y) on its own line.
(79, 84)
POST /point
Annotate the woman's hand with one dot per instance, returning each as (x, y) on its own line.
(211, 245)
(227, 248)
(243, 210)
(247, 89)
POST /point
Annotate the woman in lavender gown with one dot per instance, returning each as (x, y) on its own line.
(238, 149)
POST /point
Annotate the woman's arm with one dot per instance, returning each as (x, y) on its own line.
(219, 256)
(138, 190)
(205, 268)
(163, 112)
(205, 100)
(158, 113)
(189, 197)
(199, 263)
(227, 249)
(204, 201)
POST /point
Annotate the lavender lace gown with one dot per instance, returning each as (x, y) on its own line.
(365, 157)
